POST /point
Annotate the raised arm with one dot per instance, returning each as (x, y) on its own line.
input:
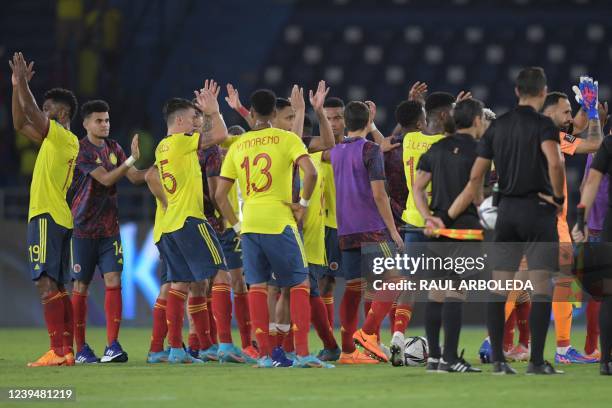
(109, 178)
(299, 108)
(214, 130)
(326, 139)
(28, 119)
(233, 100)
(589, 99)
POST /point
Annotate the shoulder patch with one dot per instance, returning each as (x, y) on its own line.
(569, 138)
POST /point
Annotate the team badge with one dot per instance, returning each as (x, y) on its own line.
(333, 266)
(113, 159)
(76, 268)
(98, 161)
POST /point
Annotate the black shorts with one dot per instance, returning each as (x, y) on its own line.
(526, 227)
(48, 249)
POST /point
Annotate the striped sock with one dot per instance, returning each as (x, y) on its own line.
(175, 312)
(222, 311)
(160, 326)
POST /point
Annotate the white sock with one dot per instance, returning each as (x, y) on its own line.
(563, 350)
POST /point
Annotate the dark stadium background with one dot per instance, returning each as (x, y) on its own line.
(135, 54)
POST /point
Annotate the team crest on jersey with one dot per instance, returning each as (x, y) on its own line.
(98, 161)
(113, 159)
(333, 266)
(76, 268)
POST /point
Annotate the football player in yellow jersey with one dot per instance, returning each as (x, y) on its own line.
(49, 221)
(262, 161)
(157, 354)
(190, 248)
(438, 107)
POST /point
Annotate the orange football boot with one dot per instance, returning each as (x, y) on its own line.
(49, 359)
(356, 357)
(370, 343)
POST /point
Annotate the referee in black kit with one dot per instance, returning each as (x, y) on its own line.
(524, 145)
(447, 165)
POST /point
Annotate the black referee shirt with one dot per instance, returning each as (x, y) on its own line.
(450, 162)
(513, 142)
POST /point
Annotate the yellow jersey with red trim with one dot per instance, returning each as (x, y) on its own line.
(414, 145)
(262, 162)
(52, 175)
(177, 161)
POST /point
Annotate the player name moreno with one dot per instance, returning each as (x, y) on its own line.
(257, 141)
(449, 284)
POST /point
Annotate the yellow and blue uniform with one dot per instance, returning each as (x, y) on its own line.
(332, 244)
(262, 162)
(415, 144)
(190, 247)
(50, 220)
(314, 228)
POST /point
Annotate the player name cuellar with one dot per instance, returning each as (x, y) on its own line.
(449, 284)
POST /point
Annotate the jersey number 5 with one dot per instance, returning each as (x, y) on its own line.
(167, 177)
(265, 171)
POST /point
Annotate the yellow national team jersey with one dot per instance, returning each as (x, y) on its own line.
(314, 223)
(262, 162)
(415, 144)
(329, 194)
(231, 139)
(176, 159)
(53, 175)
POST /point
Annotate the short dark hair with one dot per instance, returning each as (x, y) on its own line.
(96, 105)
(408, 113)
(64, 96)
(438, 100)
(333, 102)
(282, 103)
(466, 111)
(531, 81)
(174, 105)
(235, 130)
(356, 115)
(552, 98)
(263, 101)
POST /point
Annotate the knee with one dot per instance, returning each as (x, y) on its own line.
(112, 279)
(80, 287)
(45, 286)
(163, 291)
(198, 288)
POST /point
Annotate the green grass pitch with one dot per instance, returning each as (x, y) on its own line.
(137, 384)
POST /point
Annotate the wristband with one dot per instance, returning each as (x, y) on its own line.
(446, 219)
(130, 161)
(236, 227)
(304, 203)
(559, 200)
(242, 111)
